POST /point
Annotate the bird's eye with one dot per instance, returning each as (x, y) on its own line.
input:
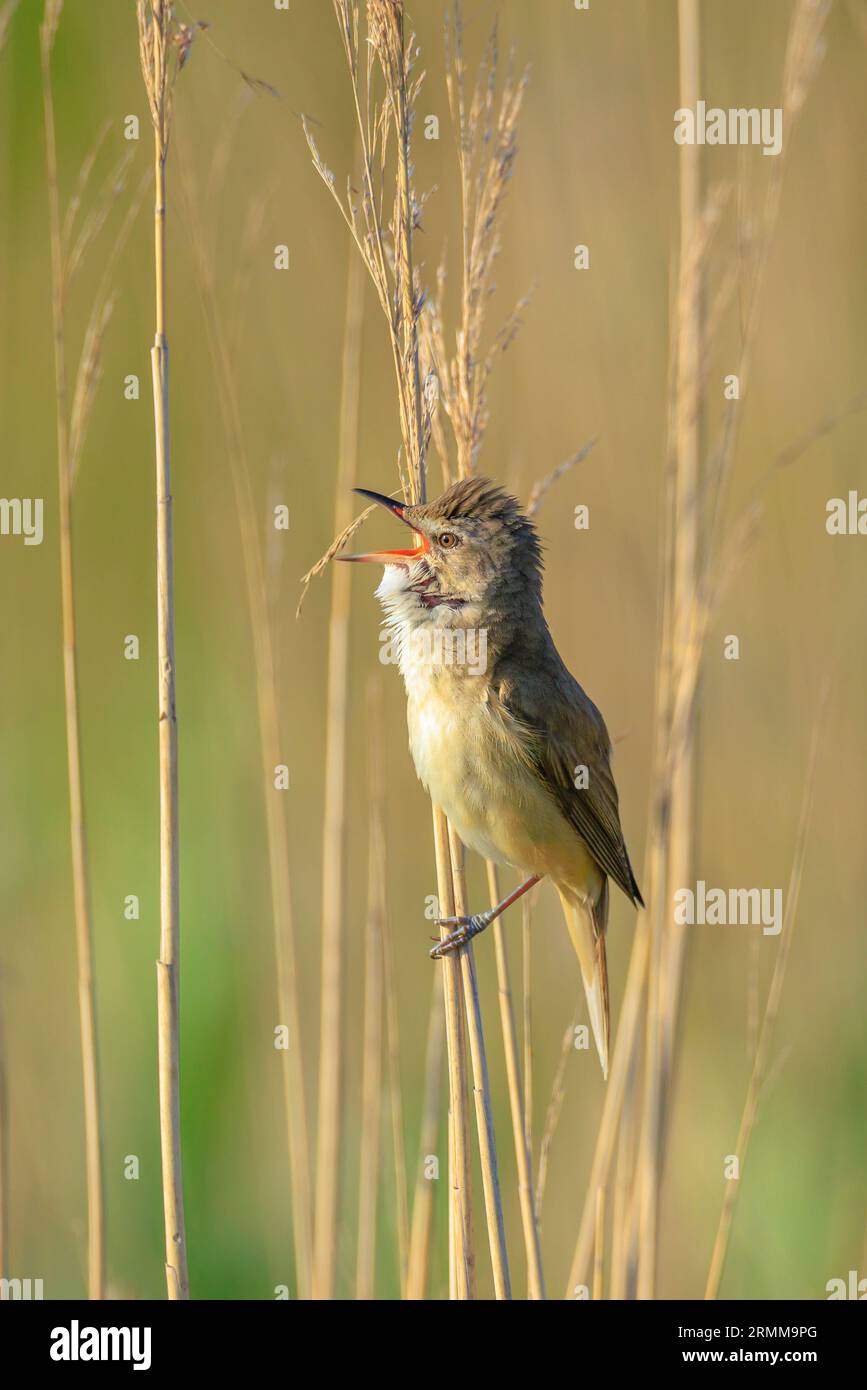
(447, 539)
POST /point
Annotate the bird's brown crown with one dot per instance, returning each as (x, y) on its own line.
(496, 514)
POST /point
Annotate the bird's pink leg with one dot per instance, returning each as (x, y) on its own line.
(468, 927)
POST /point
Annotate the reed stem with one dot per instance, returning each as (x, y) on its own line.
(155, 31)
(481, 1087)
(334, 820)
(371, 1083)
(523, 1153)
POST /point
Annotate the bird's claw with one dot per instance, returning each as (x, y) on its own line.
(465, 929)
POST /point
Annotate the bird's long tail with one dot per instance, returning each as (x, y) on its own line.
(587, 921)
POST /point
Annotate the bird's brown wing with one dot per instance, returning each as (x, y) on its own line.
(563, 731)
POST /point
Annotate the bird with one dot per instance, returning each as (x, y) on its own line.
(503, 738)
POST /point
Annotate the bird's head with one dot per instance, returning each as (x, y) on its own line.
(476, 553)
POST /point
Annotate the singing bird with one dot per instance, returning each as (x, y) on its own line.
(502, 736)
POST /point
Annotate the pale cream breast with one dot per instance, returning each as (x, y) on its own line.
(474, 771)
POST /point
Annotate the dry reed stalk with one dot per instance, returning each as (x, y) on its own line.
(392, 1043)
(675, 706)
(4, 1160)
(543, 486)
(686, 530)
(371, 1082)
(267, 705)
(620, 1279)
(599, 1247)
(759, 1071)
(627, 1037)
(527, 1022)
(164, 47)
(523, 1152)
(695, 587)
(462, 1271)
(622, 1086)
(77, 820)
(481, 1087)
(334, 818)
(7, 14)
(418, 1258)
(554, 1110)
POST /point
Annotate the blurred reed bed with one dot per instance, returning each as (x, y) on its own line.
(441, 376)
(334, 827)
(72, 236)
(699, 557)
(621, 1206)
(77, 825)
(223, 349)
(6, 15)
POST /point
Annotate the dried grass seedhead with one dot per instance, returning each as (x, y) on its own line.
(486, 133)
(804, 52)
(50, 19)
(385, 213)
(7, 14)
(385, 29)
(164, 48)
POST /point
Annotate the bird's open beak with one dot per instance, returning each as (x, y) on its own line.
(388, 557)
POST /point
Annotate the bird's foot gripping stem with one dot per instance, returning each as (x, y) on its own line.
(465, 929)
(468, 927)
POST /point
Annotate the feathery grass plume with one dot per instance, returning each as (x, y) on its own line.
(486, 133)
(69, 244)
(267, 703)
(385, 241)
(164, 47)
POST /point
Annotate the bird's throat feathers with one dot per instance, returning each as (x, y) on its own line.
(428, 632)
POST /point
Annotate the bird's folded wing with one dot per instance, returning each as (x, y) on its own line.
(563, 732)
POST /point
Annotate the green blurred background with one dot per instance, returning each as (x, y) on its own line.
(597, 165)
